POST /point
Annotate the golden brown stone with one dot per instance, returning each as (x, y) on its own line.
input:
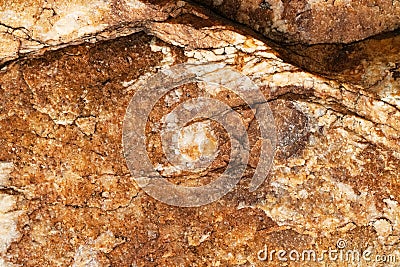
(68, 198)
(312, 22)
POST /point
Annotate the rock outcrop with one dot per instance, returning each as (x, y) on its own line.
(68, 198)
(312, 22)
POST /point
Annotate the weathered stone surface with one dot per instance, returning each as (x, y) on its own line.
(66, 194)
(312, 22)
(27, 27)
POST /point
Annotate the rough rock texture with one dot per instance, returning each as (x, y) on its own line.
(313, 21)
(67, 197)
(27, 26)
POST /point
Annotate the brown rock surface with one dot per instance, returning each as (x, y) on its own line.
(312, 22)
(68, 198)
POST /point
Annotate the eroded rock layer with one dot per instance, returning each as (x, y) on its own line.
(312, 22)
(68, 198)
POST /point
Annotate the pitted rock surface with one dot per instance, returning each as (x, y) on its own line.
(67, 197)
